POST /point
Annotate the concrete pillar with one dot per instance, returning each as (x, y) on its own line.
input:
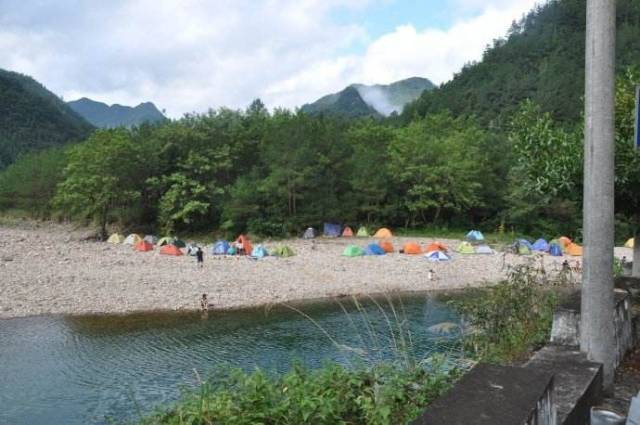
(597, 318)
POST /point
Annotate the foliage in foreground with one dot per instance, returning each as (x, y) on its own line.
(333, 394)
(511, 318)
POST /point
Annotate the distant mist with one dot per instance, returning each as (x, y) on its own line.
(378, 99)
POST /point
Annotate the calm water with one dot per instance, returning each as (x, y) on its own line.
(82, 370)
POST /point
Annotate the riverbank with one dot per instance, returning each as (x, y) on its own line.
(51, 269)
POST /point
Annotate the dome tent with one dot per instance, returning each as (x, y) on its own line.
(246, 244)
(362, 232)
(221, 247)
(167, 240)
(331, 230)
(310, 233)
(374, 249)
(347, 232)
(475, 235)
(483, 250)
(526, 243)
(387, 246)
(541, 245)
(151, 239)
(574, 249)
(352, 251)
(116, 238)
(555, 250)
(259, 252)
(383, 233)
(283, 251)
(171, 250)
(436, 256)
(132, 239)
(521, 248)
(412, 248)
(465, 248)
(629, 243)
(179, 243)
(436, 246)
(143, 246)
(564, 242)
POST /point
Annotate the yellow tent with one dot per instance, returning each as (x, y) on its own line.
(133, 239)
(574, 250)
(383, 233)
(116, 238)
(629, 243)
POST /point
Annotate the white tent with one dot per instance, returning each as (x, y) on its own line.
(483, 249)
(436, 256)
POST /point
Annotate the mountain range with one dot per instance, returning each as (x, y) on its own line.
(379, 100)
(104, 116)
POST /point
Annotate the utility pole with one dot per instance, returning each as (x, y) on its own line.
(597, 336)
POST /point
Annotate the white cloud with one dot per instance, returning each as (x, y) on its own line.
(189, 55)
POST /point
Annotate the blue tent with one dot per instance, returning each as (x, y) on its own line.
(475, 235)
(221, 247)
(526, 243)
(555, 250)
(332, 230)
(374, 249)
(259, 252)
(541, 245)
(436, 256)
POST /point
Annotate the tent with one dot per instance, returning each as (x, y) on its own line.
(259, 252)
(151, 239)
(522, 248)
(564, 241)
(436, 256)
(116, 238)
(555, 250)
(465, 248)
(526, 243)
(574, 250)
(170, 250)
(221, 247)
(310, 233)
(627, 244)
(362, 232)
(386, 246)
(132, 239)
(557, 242)
(436, 246)
(283, 251)
(143, 246)
(331, 230)
(383, 233)
(167, 240)
(246, 244)
(352, 251)
(541, 245)
(374, 249)
(475, 235)
(412, 248)
(347, 232)
(484, 249)
(232, 250)
(179, 243)
(192, 249)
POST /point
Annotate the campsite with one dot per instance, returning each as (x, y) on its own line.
(71, 273)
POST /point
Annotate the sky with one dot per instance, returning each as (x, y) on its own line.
(192, 55)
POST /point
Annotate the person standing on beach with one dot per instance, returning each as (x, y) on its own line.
(204, 303)
(200, 257)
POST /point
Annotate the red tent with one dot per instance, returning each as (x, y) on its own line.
(143, 246)
(347, 232)
(170, 250)
(412, 248)
(246, 244)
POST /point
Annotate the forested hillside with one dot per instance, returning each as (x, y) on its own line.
(32, 118)
(542, 59)
(105, 116)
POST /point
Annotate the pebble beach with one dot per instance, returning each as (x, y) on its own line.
(52, 269)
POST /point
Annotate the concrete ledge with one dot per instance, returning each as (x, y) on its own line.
(577, 381)
(495, 395)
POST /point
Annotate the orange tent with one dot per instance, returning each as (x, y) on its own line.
(387, 246)
(574, 249)
(347, 232)
(436, 246)
(143, 246)
(412, 248)
(383, 233)
(565, 241)
(170, 250)
(246, 244)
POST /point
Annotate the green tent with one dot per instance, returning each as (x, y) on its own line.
(362, 232)
(523, 249)
(165, 241)
(353, 251)
(283, 251)
(179, 243)
(465, 248)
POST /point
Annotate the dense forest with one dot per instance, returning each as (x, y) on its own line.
(448, 163)
(32, 118)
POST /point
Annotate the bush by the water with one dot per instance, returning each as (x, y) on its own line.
(333, 394)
